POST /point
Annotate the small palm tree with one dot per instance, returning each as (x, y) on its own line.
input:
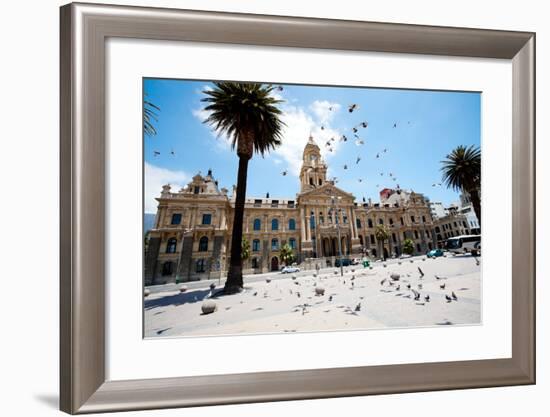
(382, 234)
(245, 249)
(248, 114)
(408, 246)
(150, 114)
(287, 254)
(462, 172)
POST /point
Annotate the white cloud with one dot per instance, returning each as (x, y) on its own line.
(222, 140)
(299, 125)
(155, 178)
(324, 110)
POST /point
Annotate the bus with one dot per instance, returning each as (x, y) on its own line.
(464, 244)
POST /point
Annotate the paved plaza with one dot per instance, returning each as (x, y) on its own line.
(364, 298)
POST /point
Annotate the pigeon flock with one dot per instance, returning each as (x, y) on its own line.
(362, 298)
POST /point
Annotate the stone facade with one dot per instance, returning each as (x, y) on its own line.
(192, 233)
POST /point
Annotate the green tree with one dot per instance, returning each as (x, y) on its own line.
(462, 172)
(382, 234)
(248, 114)
(245, 249)
(287, 254)
(408, 246)
(150, 114)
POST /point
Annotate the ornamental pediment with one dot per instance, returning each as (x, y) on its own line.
(325, 192)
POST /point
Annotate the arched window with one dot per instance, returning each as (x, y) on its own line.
(203, 244)
(171, 245)
(416, 234)
(292, 243)
(255, 245)
(274, 244)
(380, 221)
(320, 181)
(423, 219)
(257, 224)
(274, 224)
(370, 223)
(391, 221)
(358, 223)
(311, 181)
(292, 224)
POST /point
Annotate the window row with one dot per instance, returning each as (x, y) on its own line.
(256, 245)
(176, 219)
(257, 224)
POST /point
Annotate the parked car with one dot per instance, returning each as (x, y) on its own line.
(345, 262)
(434, 253)
(290, 269)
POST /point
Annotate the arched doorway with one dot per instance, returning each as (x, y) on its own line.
(274, 264)
(385, 253)
(334, 251)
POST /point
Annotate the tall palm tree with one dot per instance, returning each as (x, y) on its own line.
(462, 172)
(150, 114)
(382, 234)
(248, 114)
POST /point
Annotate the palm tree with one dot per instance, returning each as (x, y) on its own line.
(408, 246)
(149, 115)
(245, 249)
(462, 172)
(248, 114)
(287, 254)
(382, 234)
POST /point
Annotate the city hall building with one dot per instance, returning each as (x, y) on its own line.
(192, 232)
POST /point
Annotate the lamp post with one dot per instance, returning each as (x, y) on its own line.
(336, 210)
(314, 227)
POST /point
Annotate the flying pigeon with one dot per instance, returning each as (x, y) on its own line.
(172, 152)
(284, 172)
(377, 155)
(364, 124)
(280, 88)
(360, 179)
(343, 138)
(395, 125)
(345, 166)
(354, 130)
(357, 160)
(359, 142)
(352, 107)
(322, 127)
(156, 153)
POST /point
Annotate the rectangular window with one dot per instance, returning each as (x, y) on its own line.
(372, 241)
(206, 219)
(176, 218)
(196, 189)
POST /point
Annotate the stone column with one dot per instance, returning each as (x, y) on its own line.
(303, 225)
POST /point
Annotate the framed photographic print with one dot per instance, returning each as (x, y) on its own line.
(303, 221)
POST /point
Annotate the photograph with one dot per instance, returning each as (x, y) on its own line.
(280, 208)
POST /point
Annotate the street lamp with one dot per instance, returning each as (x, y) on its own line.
(314, 227)
(336, 210)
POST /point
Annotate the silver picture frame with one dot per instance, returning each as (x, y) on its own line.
(84, 30)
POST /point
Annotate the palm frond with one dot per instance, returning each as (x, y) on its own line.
(239, 108)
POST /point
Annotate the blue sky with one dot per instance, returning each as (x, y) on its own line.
(429, 125)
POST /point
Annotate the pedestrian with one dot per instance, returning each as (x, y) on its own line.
(317, 268)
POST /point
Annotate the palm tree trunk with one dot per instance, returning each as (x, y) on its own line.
(234, 281)
(476, 203)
